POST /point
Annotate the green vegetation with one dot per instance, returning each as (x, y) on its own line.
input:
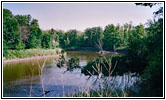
(21, 32)
(103, 93)
(31, 52)
(73, 63)
(144, 58)
(144, 47)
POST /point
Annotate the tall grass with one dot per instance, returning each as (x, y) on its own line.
(103, 89)
(11, 54)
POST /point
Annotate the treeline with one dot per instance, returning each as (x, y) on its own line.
(145, 45)
(111, 37)
(144, 57)
(23, 32)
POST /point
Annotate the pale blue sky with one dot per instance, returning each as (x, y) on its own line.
(80, 16)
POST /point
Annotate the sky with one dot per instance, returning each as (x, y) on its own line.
(66, 16)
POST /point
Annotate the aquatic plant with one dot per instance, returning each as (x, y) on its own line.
(61, 62)
(73, 63)
(100, 65)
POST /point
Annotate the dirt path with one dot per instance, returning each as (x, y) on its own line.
(28, 59)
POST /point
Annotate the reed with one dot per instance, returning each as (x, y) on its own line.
(12, 54)
(103, 89)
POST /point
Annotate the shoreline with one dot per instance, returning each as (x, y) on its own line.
(7, 61)
(97, 51)
(15, 60)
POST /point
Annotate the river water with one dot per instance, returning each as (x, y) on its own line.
(24, 79)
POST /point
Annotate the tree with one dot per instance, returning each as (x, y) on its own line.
(55, 38)
(93, 35)
(145, 56)
(46, 40)
(66, 42)
(153, 73)
(81, 41)
(111, 37)
(11, 34)
(99, 45)
(34, 39)
(158, 13)
(24, 27)
(61, 37)
(34, 22)
(23, 20)
(71, 38)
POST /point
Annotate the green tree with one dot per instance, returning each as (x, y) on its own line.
(153, 73)
(46, 40)
(126, 32)
(61, 36)
(55, 38)
(137, 50)
(111, 37)
(11, 34)
(24, 27)
(23, 20)
(81, 41)
(93, 35)
(34, 22)
(72, 34)
(34, 39)
(146, 52)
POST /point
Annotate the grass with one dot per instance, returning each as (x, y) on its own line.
(104, 89)
(12, 54)
(107, 92)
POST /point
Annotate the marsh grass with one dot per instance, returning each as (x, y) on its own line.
(104, 89)
(12, 54)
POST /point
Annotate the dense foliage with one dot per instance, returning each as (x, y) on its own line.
(144, 56)
(23, 32)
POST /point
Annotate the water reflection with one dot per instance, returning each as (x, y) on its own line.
(12, 72)
(23, 79)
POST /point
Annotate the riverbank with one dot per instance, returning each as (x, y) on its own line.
(87, 49)
(120, 50)
(28, 59)
(26, 53)
(30, 54)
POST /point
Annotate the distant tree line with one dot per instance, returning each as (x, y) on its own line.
(145, 45)
(23, 32)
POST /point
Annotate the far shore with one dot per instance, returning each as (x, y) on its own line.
(97, 51)
(15, 60)
(6, 61)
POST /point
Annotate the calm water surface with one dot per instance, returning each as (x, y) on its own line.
(23, 79)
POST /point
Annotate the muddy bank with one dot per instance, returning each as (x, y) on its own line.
(5, 61)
